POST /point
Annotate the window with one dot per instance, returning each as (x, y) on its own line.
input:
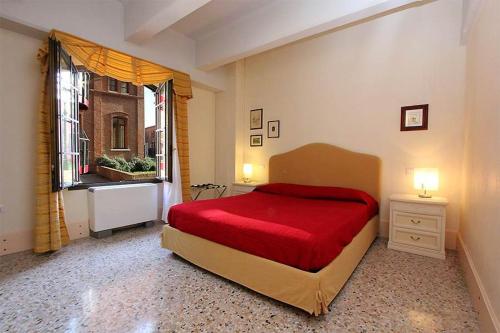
(119, 135)
(164, 130)
(84, 139)
(124, 88)
(63, 77)
(112, 84)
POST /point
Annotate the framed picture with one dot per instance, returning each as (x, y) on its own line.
(273, 129)
(256, 119)
(256, 140)
(414, 117)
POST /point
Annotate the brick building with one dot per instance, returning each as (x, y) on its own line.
(114, 121)
(150, 141)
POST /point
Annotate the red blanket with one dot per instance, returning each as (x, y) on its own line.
(301, 226)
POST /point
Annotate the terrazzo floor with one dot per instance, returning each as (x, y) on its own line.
(128, 283)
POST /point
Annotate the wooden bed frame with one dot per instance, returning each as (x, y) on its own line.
(313, 164)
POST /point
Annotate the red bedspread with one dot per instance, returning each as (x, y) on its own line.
(301, 226)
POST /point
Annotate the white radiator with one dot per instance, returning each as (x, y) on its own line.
(122, 205)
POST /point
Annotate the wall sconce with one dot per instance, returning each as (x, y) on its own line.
(426, 179)
(247, 172)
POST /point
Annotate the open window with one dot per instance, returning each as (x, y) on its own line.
(111, 125)
(164, 130)
(63, 76)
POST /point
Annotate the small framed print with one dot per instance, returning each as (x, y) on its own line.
(256, 140)
(414, 117)
(256, 119)
(273, 129)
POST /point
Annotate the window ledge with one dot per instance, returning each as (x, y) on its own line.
(124, 182)
(120, 149)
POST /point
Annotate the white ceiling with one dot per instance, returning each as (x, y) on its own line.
(223, 31)
(215, 15)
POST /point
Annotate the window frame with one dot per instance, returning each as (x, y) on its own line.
(59, 148)
(125, 138)
(58, 117)
(167, 129)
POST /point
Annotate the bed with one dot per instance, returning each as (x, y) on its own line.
(266, 247)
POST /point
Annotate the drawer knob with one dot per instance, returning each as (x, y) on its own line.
(415, 238)
(415, 222)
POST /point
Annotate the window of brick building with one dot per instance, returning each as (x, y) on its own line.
(119, 136)
(112, 84)
(124, 88)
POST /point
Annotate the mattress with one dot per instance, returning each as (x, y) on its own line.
(305, 227)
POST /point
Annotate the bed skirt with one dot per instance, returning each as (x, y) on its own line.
(312, 292)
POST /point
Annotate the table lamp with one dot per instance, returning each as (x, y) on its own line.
(426, 179)
(247, 172)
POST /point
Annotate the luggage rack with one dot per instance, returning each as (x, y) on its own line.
(200, 188)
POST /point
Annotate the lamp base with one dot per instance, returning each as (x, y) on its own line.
(246, 180)
(425, 195)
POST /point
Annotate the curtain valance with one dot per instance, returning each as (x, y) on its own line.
(121, 66)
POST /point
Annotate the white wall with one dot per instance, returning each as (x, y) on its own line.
(480, 224)
(19, 89)
(347, 87)
(19, 93)
(201, 125)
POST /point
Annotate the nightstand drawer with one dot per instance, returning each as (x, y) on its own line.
(415, 238)
(417, 221)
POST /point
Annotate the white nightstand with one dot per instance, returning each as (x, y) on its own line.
(242, 188)
(417, 225)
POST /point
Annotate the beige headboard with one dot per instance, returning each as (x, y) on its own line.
(326, 165)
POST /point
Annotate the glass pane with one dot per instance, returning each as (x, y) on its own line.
(66, 137)
(162, 93)
(65, 84)
(161, 166)
(67, 169)
(119, 128)
(161, 142)
(161, 115)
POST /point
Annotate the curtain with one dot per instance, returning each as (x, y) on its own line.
(50, 227)
(172, 192)
(181, 128)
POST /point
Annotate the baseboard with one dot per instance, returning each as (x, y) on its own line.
(450, 241)
(487, 319)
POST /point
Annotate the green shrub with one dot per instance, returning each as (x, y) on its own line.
(123, 165)
(106, 162)
(119, 163)
(140, 165)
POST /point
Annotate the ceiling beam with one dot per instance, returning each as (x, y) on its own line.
(285, 21)
(144, 19)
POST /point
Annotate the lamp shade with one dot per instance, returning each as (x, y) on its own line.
(426, 179)
(247, 170)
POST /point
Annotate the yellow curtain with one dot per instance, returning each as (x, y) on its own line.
(181, 133)
(50, 228)
(121, 66)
